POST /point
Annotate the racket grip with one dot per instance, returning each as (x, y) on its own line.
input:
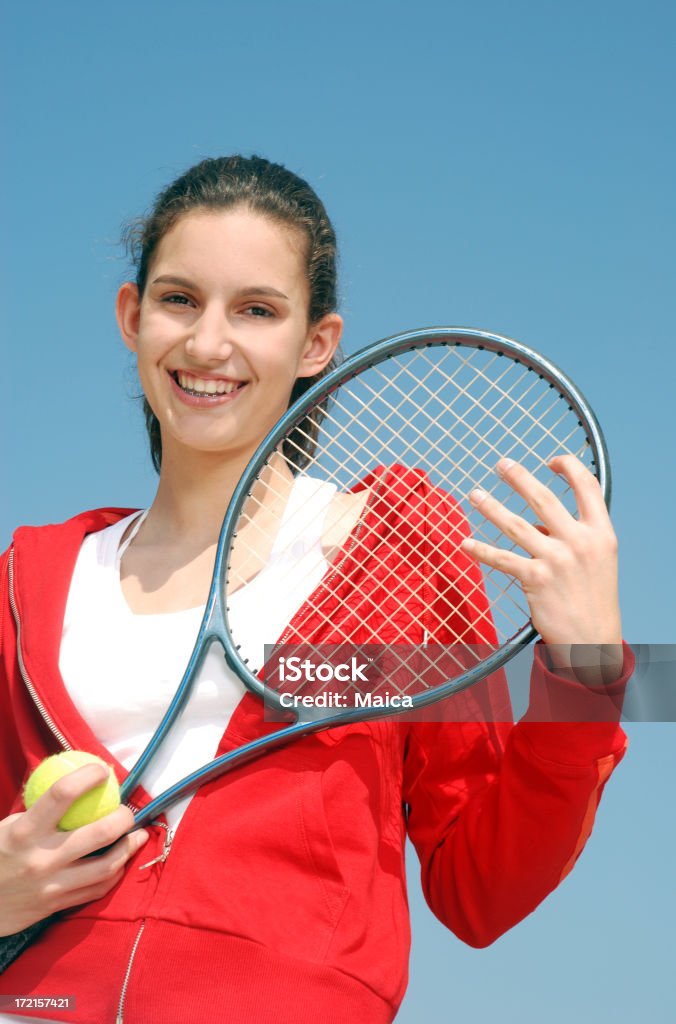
(11, 946)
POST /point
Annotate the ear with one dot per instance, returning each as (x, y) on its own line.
(128, 313)
(322, 342)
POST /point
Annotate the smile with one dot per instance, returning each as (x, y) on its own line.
(200, 386)
(205, 389)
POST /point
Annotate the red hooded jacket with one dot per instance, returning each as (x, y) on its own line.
(283, 897)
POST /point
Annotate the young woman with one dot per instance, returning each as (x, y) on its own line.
(282, 895)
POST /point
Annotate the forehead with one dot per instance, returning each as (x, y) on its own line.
(234, 243)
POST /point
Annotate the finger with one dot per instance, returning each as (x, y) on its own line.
(97, 870)
(99, 834)
(62, 899)
(517, 529)
(586, 488)
(498, 558)
(544, 503)
(46, 813)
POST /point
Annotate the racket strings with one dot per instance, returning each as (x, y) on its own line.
(470, 618)
(470, 479)
(402, 676)
(476, 611)
(470, 624)
(494, 385)
(488, 470)
(479, 403)
(455, 442)
(423, 565)
(469, 407)
(462, 391)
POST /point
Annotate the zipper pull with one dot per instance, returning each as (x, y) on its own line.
(165, 849)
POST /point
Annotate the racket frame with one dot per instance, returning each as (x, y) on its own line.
(214, 625)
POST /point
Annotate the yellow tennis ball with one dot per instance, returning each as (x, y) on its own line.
(91, 806)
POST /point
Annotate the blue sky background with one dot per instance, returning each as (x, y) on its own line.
(507, 166)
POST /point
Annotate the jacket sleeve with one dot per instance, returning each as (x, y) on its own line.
(498, 812)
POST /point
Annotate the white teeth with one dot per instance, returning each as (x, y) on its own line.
(206, 387)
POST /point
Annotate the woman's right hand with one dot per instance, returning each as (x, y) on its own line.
(43, 870)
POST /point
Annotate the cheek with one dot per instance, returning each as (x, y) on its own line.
(281, 363)
(146, 374)
(149, 374)
(152, 347)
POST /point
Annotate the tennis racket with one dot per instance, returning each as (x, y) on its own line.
(392, 441)
(357, 500)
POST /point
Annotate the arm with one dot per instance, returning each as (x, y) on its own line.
(499, 814)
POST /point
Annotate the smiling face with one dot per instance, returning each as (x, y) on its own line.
(221, 332)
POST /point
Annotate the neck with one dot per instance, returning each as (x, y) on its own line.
(195, 489)
(193, 495)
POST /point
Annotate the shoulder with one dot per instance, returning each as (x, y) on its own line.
(59, 541)
(77, 526)
(418, 509)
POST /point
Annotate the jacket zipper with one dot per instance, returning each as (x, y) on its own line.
(120, 1006)
(130, 963)
(165, 849)
(22, 667)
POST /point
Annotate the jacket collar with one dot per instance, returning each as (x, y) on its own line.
(43, 562)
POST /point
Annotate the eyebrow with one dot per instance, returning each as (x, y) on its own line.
(254, 289)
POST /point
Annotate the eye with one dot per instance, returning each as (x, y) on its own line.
(259, 311)
(178, 300)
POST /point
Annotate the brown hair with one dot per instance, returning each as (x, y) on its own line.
(266, 188)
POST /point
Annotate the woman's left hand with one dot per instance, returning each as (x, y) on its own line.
(570, 580)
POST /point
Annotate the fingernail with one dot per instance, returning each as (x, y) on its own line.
(504, 465)
(477, 495)
(143, 836)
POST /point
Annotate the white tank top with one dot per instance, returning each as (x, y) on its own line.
(121, 669)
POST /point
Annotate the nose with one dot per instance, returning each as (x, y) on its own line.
(211, 340)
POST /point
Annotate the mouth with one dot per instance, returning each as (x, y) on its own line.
(212, 389)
